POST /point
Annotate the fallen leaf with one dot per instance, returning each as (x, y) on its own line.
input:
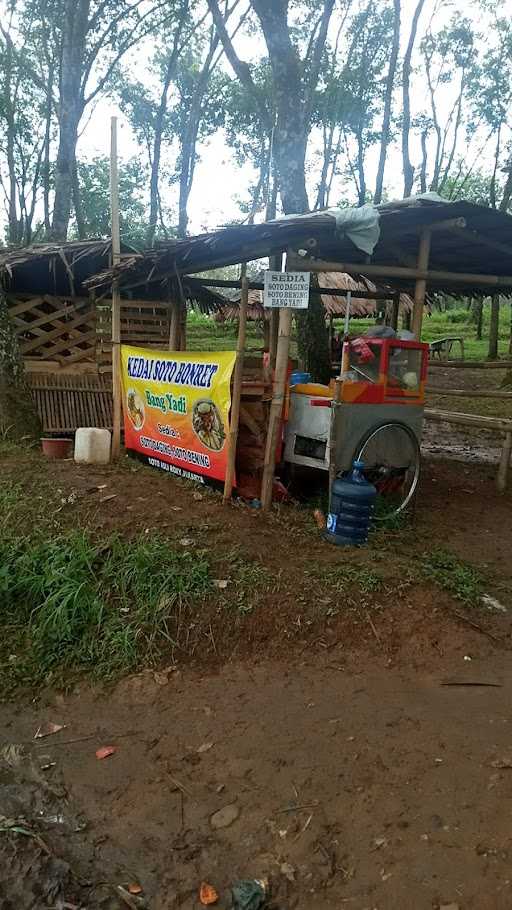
(186, 541)
(207, 894)
(221, 583)
(135, 888)
(108, 498)
(288, 871)
(105, 751)
(48, 730)
(176, 509)
(205, 748)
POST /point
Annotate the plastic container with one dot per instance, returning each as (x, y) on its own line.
(352, 505)
(298, 377)
(92, 446)
(57, 448)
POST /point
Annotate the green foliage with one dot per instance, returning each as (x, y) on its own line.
(70, 603)
(94, 179)
(454, 575)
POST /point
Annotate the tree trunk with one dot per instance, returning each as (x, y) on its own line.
(291, 129)
(76, 18)
(313, 338)
(406, 118)
(154, 196)
(77, 205)
(388, 100)
(18, 417)
(478, 316)
(494, 328)
(424, 161)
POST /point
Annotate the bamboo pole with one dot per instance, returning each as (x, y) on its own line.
(174, 333)
(237, 388)
(395, 310)
(298, 263)
(470, 393)
(116, 296)
(469, 420)
(501, 479)
(276, 407)
(472, 364)
(420, 287)
(274, 333)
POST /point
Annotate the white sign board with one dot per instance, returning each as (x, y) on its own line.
(286, 289)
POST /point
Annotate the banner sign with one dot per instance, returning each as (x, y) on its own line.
(176, 409)
(286, 289)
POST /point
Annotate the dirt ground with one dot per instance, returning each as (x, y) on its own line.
(363, 758)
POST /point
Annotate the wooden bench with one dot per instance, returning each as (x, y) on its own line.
(443, 346)
(495, 424)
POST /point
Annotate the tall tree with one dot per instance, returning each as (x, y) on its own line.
(294, 81)
(408, 168)
(386, 119)
(92, 38)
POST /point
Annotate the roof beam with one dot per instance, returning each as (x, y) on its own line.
(392, 271)
(480, 240)
(328, 292)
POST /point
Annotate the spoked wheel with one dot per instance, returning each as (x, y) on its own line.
(391, 456)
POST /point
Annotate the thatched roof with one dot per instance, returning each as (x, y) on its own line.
(481, 244)
(65, 269)
(333, 305)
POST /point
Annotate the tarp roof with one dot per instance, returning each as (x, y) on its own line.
(480, 244)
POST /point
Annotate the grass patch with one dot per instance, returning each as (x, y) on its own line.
(454, 575)
(342, 578)
(70, 603)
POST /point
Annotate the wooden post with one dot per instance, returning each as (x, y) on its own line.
(494, 328)
(501, 480)
(421, 285)
(276, 407)
(116, 296)
(395, 311)
(274, 332)
(237, 388)
(174, 333)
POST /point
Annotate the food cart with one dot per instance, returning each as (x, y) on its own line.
(376, 417)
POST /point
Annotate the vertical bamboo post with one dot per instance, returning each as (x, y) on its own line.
(237, 388)
(276, 407)
(274, 332)
(174, 332)
(501, 480)
(421, 285)
(116, 297)
(395, 311)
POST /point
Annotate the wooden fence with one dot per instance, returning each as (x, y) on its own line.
(65, 401)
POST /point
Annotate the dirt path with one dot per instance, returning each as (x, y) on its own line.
(370, 790)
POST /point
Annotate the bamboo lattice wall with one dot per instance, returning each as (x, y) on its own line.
(72, 332)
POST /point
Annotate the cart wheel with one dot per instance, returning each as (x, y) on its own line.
(391, 456)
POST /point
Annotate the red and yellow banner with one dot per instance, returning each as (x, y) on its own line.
(176, 409)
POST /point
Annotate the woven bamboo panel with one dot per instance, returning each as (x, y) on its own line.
(55, 328)
(65, 402)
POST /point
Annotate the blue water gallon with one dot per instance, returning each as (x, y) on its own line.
(352, 505)
(298, 377)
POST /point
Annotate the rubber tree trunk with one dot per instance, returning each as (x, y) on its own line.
(18, 417)
(494, 328)
(478, 314)
(313, 339)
